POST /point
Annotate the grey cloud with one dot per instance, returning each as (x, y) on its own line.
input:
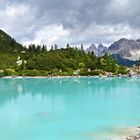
(72, 14)
(77, 17)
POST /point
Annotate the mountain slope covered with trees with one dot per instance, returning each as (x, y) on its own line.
(37, 61)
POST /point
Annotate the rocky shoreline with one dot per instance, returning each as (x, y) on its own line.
(135, 135)
(42, 77)
(132, 134)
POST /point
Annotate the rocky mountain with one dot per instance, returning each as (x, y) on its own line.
(98, 51)
(92, 48)
(128, 49)
(125, 51)
(101, 49)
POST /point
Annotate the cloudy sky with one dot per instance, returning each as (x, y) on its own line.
(70, 21)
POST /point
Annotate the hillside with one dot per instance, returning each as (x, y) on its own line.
(123, 61)
(8, 44)
(9, 51)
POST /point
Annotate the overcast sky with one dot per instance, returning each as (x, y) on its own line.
(70, 21)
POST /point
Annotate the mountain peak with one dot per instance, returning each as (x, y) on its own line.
(92, 48)
(101, 46)
(98, 51)
(123, 39)
(126, 48)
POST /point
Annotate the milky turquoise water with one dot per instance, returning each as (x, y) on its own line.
(67, 109)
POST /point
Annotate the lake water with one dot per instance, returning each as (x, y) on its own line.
(68, 109)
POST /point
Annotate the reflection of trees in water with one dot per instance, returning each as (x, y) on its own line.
(7, 92)
(66, 89)
(10, 89)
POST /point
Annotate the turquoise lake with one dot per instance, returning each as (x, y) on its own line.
(68, 108)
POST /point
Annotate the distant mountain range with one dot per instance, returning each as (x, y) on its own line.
(125, 51)
(98, 51)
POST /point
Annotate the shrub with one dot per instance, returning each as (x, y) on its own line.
(10, 72)
(33, 73)
(1, 73)
(90, 73)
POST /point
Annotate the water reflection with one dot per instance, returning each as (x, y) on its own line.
(64, 88)
(82, 104)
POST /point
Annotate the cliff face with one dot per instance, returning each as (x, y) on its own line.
(125, 51)
(129, 49)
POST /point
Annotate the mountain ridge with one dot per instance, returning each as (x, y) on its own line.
(125, 51)
(126, 48)
(9, 44)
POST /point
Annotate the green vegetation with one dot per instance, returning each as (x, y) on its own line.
(8, 44)
(37, 61)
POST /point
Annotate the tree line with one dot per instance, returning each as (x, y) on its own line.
(59, 61)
